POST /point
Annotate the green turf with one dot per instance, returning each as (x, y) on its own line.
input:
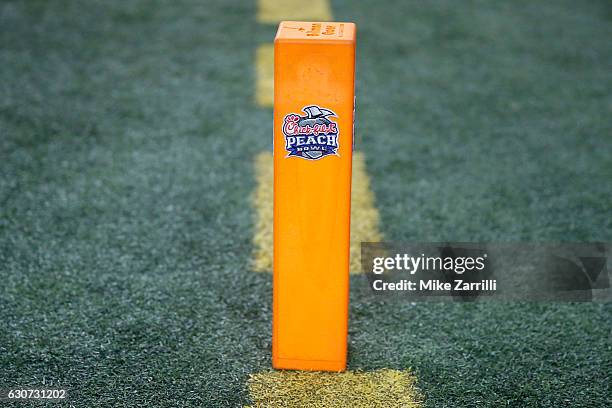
(127, 132)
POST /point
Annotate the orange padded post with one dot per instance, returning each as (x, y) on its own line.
(314, 82)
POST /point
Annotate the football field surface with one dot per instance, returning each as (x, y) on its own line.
(134, 143)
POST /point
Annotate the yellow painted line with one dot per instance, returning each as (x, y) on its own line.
(364, 215)
(273, 11)
(263, 204)
(381, 388)
(264, 66)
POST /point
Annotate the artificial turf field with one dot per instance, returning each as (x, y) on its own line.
(128, 135)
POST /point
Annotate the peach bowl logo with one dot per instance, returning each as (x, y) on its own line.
(311, 136)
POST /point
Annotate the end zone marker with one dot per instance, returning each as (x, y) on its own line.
(314, 83)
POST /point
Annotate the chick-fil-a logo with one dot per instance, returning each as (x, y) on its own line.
(311, 136)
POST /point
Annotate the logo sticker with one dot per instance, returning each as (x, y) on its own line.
(313, 135)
